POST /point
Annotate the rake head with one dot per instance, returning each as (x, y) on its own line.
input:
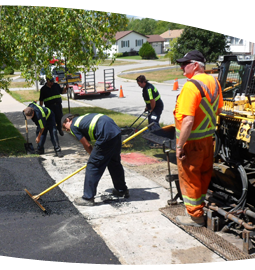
(35, 198)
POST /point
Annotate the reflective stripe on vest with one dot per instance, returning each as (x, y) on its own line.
(91, 125)
(207, 126)
(151, 96)
(77, 122)
(193, 202)
(43, 115)
(50, 98)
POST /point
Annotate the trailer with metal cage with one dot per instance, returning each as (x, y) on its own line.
(91, 88)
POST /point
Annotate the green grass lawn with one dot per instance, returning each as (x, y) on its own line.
(25, 95)
(156, 76)
(138, 144)
(160, 75)
(10, 146)
(15, 146)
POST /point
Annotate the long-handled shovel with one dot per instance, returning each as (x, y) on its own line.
(28, 146)
(36, 197)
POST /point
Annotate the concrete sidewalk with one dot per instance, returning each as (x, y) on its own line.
(134, 230)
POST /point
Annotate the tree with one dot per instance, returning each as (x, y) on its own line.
(32, 35)
(210, 44)
(147, 51)
(163, 26)
(144, 26)
(172, 50)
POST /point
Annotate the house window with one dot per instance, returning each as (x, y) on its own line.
(138, 42)
(236, 41)
(124, 43)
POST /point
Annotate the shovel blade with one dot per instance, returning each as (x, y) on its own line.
(29, 148)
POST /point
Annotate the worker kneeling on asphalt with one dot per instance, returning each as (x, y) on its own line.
(44, 119)
(105, 153)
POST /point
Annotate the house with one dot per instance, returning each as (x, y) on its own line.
(241, 34)
(170, 35)
(127, 42)
(157, 42)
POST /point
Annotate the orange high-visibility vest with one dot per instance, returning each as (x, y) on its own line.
(205, 114)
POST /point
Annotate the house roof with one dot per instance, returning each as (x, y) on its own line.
(122, 34)
(244, 21)
(172, 33)
(155, 38)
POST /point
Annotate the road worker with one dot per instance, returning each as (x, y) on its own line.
(44, 119)
(105, 153)
(154, 104)
(195, 113)
(50, 95)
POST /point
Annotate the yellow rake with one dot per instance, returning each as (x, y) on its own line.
(36, 197)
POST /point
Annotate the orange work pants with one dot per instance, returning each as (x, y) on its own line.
(195, 174)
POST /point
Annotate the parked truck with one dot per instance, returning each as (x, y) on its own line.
(58, 73)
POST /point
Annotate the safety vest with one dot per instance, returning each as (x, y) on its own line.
(151, 95)
(91, 125)
(205, 115)
(50, 98)
(43, 114)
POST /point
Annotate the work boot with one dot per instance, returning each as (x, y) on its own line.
(120, 193)
(59, 154)
(191, 221)
(84, 202)
(39, 152)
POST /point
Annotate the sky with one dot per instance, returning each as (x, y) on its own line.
(137, 11)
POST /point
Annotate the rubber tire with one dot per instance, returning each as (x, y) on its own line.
(73, 95)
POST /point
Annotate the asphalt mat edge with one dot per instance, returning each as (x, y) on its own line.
(62, 235)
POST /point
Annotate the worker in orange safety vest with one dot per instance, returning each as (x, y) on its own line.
(196, 109)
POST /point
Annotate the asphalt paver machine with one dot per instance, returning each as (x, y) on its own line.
(230, 200)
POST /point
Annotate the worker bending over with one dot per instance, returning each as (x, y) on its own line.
(154, 104)
(105, 153)
(44, 119)
(195, 113)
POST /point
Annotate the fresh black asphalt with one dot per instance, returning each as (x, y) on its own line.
(60, 234)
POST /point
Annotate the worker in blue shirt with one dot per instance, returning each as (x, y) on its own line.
(105, 153)
(50, 95)
(153, 101)
(44, 119)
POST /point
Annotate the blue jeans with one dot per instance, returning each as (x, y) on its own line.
(154, 117)
(57, 109)
(105, 155)
(51, 127)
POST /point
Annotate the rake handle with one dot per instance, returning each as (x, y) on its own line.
(36, 197)
(137, 133)
(55, 185)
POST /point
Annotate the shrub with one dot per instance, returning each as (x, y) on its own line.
(147, 51)
(8, 71)
(132, 52)
(118, 55)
